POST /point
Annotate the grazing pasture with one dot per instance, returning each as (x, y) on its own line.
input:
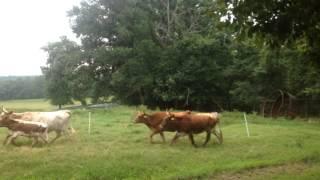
(119, 149)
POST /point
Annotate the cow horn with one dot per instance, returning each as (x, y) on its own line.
(4, 110)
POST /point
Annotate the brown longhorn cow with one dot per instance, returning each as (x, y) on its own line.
(193, 124)
(155, 122)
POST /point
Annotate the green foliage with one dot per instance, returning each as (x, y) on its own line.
(161, 58)
(61, 58)
(172, 53)
(279, 21)
(290, 28)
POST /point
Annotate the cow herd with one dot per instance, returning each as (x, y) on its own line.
(37, 125)
(183, 123)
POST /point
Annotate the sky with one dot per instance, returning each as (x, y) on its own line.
(25, 27)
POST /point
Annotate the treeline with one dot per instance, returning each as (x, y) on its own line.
(204, 55)
(22, 87)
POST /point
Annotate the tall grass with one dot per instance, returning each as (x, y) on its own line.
(119, 149)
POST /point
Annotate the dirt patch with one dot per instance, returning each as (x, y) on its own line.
(259, 173)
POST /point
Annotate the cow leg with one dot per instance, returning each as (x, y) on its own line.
(162, 136)
(152, 134)
(176, 136)
(219, 136)
(71, 129)
(218, 133)
(13, 136)
(6, 139)
(45, 137)
(58, 134)
(35, 141)
(192, 140)
(207, 138)
(13, 141)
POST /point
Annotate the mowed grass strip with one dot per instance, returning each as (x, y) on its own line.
(28, 105)
(119, 149)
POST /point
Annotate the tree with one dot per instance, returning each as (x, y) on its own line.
(60, 63)
(173, 53)
(279, 21)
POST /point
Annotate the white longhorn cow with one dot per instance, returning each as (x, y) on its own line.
(58, 121)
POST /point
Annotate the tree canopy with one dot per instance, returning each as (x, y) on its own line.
(205, 55)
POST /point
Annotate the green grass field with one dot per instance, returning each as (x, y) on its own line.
(119, 149)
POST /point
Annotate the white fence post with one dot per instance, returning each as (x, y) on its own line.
(89, 125)
(246, 123)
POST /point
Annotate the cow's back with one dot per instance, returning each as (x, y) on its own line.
(193, 123)
(157, 118)
(56, 120)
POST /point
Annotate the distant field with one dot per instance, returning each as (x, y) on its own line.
(29, 104)
(119, 149)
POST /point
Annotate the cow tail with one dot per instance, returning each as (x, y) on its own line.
(70, 128)
(217, 130)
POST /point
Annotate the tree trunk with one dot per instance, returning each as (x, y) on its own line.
(168, 18)
(141, 96)
(83, 102)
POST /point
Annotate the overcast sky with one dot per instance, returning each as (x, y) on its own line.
(25, 27)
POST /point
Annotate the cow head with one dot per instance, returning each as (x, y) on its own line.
(3, 111)
(4, 118)
(141, 117)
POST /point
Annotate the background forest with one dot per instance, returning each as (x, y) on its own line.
(22, 87)
(202, 55)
